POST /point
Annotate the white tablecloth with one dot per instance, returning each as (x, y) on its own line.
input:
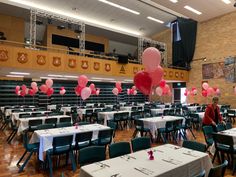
(192, 108)
(45, 137)
(9, 111)
(52, 107)
(169, 161)
(23, 123)
(109, 115)
(15, 115)
(154, 123)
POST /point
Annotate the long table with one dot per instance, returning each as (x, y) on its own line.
(154, 123)
(45, 137)
(169, 160)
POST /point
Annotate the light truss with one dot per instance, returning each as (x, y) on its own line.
(34, 13)
(143, 43)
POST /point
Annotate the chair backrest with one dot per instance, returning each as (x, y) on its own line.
(91, 154)
(221, 139)
(140, 143)
(63, 124)
(83, 123)
(118, 149)
(166, 112)
(45, 126)
(220, 127)
(219, 170)
(194, 145)
(112, 125)
(51, 121)
(83, 137)
(35, 122)
(208, 131)
(65, 119)
(228, 125)
(105, 136)
(62, 142)
(117, 116)
(24, 115)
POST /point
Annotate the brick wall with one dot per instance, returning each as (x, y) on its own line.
(216, 39)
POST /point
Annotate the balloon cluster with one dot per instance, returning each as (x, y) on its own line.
(145, 80)
(82, 90)
(34, 89)
(209, 91)
(24, 90)
(191, 92)
(117, 89)
(163, 89)
(132, 91)
(62, 91)
(47, 87)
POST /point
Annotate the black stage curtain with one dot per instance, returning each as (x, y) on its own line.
(183, 47)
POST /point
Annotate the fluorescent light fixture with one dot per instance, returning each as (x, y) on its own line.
(154, 19)
(119, 6)
(56, 78)
(20, 73)
(128, 80)
(89, 21)
(192, 10)
(95, 80)
(101, 78)
(54, 75)
(226, 1)
(174, 1)
(67, 76)
(14, 75)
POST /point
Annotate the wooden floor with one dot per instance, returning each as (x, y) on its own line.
(10, 154)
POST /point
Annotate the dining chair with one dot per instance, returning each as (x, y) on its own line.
(219, 170)
(91, 154)
(65, 119)
(139, 127)
(33, 124)
(63, 124)
(61, 145)
(31, 148)
(104, 138)
(118, 149)
(220, 127)
(140, 143)
(208, 131)
(194, 145)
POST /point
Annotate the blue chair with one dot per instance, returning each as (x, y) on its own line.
(219, 170)
(61, 145)
(118, 149)
(104, 138)
(31, 148)
(140, 143)
(208, 131)
(194, 145)
(91, 154)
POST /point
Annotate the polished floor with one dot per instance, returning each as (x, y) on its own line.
(10, 154)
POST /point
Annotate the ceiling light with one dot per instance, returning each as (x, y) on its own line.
(88, 21)
(174, 1)
(20, 73)
(119, 6)
(154, 19)
(226, 1)
(101, 78)
(54, 75)
(192, 10)
(128, 80)
(55, 78)
(95, 80)
(14, 76)
(70, 76)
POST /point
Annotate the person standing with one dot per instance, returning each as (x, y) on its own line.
(212, 115)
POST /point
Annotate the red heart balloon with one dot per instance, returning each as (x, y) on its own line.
(143, 82)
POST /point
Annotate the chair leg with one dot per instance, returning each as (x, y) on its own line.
(12, 137)
(26, 161)
(135, 133)
(21, 157)
(192, 133)
(72, 158)
(50, 164)
(9, 137)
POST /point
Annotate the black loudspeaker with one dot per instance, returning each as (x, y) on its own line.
(123, 59)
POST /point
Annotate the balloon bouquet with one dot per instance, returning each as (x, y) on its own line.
(117, 90)
(152, 75)
(34, 89)
(47, 88)
(62, 93)
(131, 91)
